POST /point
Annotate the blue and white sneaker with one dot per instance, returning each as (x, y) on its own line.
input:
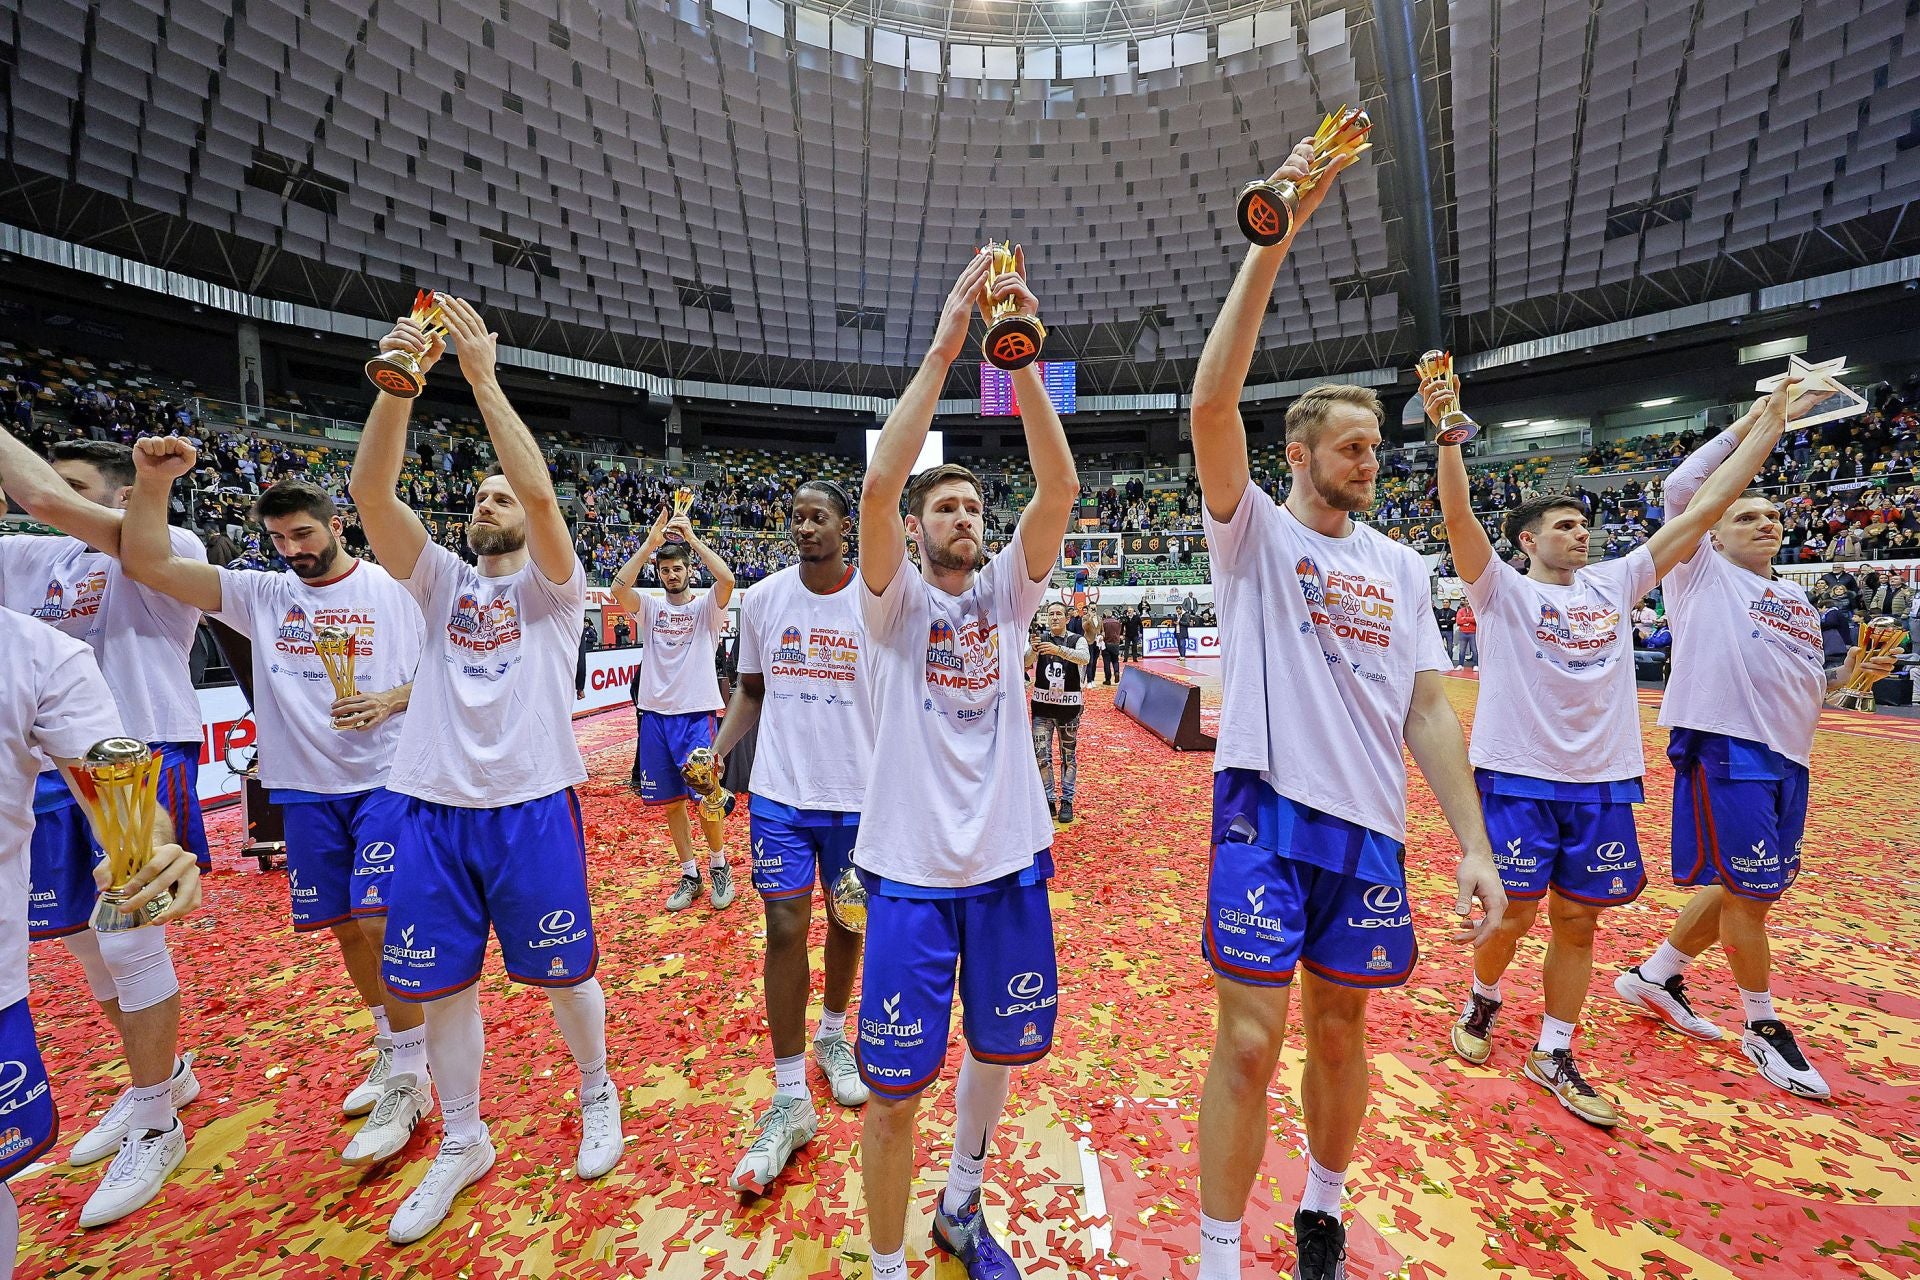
(966, 1237)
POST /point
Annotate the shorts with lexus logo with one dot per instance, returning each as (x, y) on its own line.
(1270, 909)
(518, 871)
(1739, 814)
(29, 1125)
(1588, 851)
(342, 852)
(1001, 944)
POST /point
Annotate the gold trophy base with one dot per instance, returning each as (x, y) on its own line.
(1013, 342)
(398, 374)
(1456, 428)
(1265, 211)
(108, 918)
(1855, 700)
(847, 902)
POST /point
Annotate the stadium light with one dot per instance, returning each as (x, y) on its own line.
(1660, 403)
(1517, 422)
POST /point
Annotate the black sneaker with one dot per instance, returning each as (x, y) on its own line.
(1770, 1046)
(1066, 811)
(1322, 1245)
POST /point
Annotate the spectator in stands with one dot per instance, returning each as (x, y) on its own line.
(1645, 622)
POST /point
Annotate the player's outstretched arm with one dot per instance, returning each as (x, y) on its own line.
(722, 574)
(394, 532)
(1056, 483)
(625, 593)
(39, 491)
(1440, 749)
(883, 535)
(549, 540)
(146, 546)
(1466, 538)
(1703, 503)
(1219, 434)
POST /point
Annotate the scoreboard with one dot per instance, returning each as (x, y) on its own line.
(997, 399)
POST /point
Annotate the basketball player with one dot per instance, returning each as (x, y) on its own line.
(800, 647)
(1556, 737)
(1330, 658)
(54, 706)
(679, 691)
(142, 640)
(955, 847)
(1059, 661)
(1742, 703)
(488, 762)
(324, 759)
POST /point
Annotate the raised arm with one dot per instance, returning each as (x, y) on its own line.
(549, 541)
(1465, 537)
(40, 492)
(883, 534)
(722, 575)
(625, 593)
(394, 532)
(1219, 434)
(146, 547)
(1684, 480)
(1056, 484)
(1702, 504)
(1440, 749)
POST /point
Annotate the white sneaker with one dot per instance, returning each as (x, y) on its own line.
(104, 1138)
(136, 1174)
(366, 1095)
(1665, 1002)
(458, 1166)
(787, 1125)
(684, 893)
(1771, 1047)
(720, 890)
(601, 1141)
(404, 1103)
(835, 1057)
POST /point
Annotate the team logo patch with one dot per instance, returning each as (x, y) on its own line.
(1030, 1036)
(296, 627)
(1378, 962)
(557, 968)
(1312, 585)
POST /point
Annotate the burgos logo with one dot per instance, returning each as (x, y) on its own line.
(1387, 904)
(1025, 989)
(559, 928)
(13, 1093)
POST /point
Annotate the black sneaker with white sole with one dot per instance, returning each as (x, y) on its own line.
(1771, 1047)
(1321, 1241)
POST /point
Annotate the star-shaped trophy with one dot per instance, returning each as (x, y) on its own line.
(1838, 402)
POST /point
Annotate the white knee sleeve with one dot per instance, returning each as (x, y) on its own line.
(141, 967)
(85, 946)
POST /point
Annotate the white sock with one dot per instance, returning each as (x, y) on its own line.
(460, 1117)
(1554, 1034)
(381, 1026)
(456, 1047)
(9, 1230)
(581, 1011)
(979, 1095)
(1665, 963)
(890, 1266)
(1486, 990)
(690, 868)
(410, 1052)
(1219, 1249)
(152, 1106)
(1759, 1005)
(716, 858)
(1325, 1188)
(790, 1077)
(832, 1025)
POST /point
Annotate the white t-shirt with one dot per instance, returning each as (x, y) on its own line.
(299, 748)
(1557, 698)
(816, 727)
(141, 638)
(53, 702)
(1747, 657)
(953, 800)
(1320, 639)
(677, 673)
(491, 721)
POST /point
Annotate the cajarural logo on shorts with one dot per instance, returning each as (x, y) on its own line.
(1234, 920)
(406, 950)
(1024, 991)
(1387, 903)
(892, 1026)
(559, 928)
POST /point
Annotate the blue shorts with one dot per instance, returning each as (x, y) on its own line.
(519, 870)
(1587, 850)
(340, 854)
(789, 843)
(180, 795)
(60, 888)
(665, 742)
(1739, 814)
(1002, 943)
(1272, 909)
(29, 1124)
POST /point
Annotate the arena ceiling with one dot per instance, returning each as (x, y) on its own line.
(768, 192)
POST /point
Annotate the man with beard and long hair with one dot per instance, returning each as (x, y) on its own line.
(142, 640)
(325, 759)
(1330, 659)
(803, 681)
(955, 847)
(487, 762)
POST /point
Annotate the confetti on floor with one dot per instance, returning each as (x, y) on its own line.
(1461, 1171)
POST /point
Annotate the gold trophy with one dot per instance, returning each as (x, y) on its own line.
(1455, 426)
(682, 503)
(716, 802)
(118, 785)
(398, 372)
(1265, 211)
(1880, 638)
(847, 901)
(337, 647)
(1013, 341)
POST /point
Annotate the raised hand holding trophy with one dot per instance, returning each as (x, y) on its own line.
(337, 647)
(1455, 426)
(1879, 640)
(1265, 211)
(117, 784)
(1013, 339)
(398, 372)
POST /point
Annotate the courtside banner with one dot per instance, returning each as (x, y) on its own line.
(1159, 642)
